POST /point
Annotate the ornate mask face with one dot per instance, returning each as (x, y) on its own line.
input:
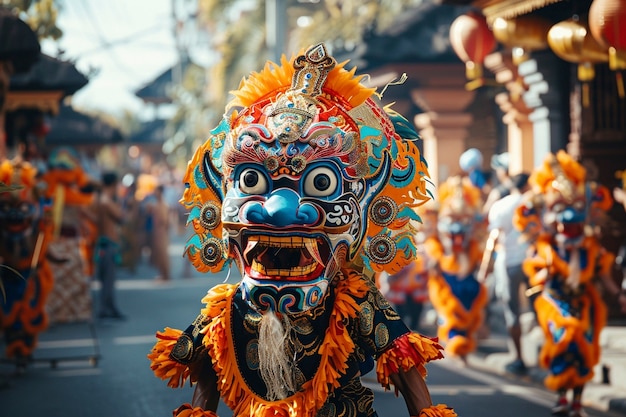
(460, 204)
(298, 180)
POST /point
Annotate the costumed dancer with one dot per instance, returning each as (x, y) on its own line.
(306, 181)
(455, 253)
(561, 216)
(25, 230)
(69, 251)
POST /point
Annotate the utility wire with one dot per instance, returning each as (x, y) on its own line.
(125, 40)
(99, 32)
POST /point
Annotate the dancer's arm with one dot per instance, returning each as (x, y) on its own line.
(206, 394)
(414, 390)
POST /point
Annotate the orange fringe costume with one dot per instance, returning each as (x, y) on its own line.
(304, 188)
(456, 249)
(25, 273)
(559, 218)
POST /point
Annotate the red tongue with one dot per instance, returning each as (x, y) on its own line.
(572, 229)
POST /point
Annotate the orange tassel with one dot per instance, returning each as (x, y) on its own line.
(162, 365)
(186, 410)
(408, 351)
(439, 410)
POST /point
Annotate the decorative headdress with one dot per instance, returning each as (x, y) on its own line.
(458, 196)
(560, 185)
(18, 177)
(286, 119)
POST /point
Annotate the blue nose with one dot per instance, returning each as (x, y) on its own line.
(282, 209)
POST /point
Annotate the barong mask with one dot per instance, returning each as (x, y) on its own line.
(305, 176)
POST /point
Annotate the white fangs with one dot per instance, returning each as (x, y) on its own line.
(311, 246)
(291, 242)
(282, 272)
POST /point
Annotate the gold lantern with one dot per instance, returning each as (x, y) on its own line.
(572, 41)
(522, 34)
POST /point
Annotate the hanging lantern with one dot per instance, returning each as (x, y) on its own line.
(522, 34)
(472, 41)
(607, 22)
(571, 41)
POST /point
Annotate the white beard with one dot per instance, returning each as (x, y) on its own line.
(274, 364)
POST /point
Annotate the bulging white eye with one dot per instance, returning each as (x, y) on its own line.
(252, 181)
(320, 182)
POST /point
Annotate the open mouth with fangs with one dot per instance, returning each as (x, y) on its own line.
(285, 258)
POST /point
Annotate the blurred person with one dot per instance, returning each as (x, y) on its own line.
(504, 254)
(132, 232)
(109, 219)
(159, 210)
(501, 181)
(454, 255)
(561, 217)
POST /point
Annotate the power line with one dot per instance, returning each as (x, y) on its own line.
(115, 59)
(125, 40)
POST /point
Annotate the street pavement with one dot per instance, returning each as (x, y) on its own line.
(112, 350)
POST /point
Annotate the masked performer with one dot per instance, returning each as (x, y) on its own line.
(70, 300)
(25, 231)
(304, 186)
(560, 217)
(455, 253)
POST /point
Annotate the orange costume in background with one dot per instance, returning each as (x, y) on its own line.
(25, 230)
(560, 217)
(455, 253)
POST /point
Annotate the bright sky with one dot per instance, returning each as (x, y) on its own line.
(129, 42)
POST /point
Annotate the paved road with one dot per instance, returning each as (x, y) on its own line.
(122, 384)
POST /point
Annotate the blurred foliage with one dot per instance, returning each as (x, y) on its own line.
(237, 30)
(189, 126)
(41, 16)
(238, 35)
(343, 23)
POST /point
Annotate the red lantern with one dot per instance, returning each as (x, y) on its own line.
(607, 22)
(472, 40)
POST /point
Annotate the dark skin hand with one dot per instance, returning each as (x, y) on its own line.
(414, 390)
(206, 394)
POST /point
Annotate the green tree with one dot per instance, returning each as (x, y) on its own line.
(41, 16)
